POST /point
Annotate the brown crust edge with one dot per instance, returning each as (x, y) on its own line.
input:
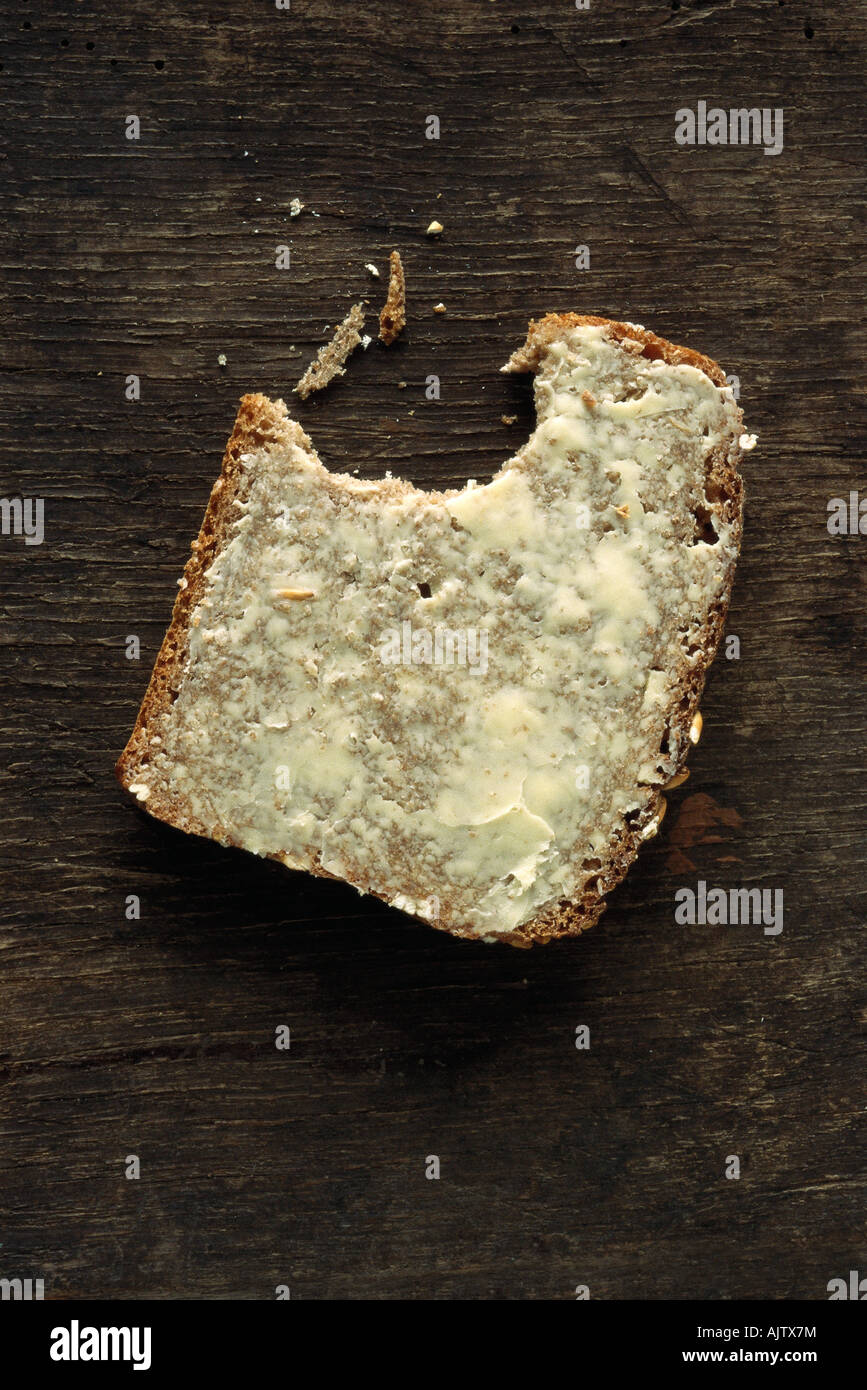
(550, 327)
(261, 422)
(392, 315)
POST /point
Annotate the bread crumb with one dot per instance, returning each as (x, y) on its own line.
(401, 386)
(296, 207)
(435, 229)
(372, 270)
(221, 360)
(439, 308)
(589, 399)
(329, 361)
(392, 317)
(509, 419)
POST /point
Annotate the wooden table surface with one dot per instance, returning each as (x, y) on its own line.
(155, 1037)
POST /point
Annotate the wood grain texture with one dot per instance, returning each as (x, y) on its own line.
(156, 1037)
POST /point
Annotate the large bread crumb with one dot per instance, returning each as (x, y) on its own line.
(392, 318)
(330, 359)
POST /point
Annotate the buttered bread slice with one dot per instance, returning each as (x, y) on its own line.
(467, 703)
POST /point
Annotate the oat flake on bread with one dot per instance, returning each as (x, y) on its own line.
(467, 703)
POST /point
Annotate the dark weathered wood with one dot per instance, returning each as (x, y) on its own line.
(155, 1037)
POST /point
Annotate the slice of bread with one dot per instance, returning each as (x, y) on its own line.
(467, 703)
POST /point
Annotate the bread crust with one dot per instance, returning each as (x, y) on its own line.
(261, 422)
(392, 316)
(546, 330)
